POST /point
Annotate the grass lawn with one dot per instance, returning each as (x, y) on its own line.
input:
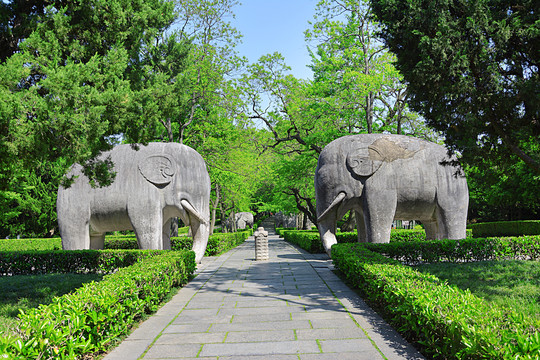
(28, 291)
(506, 283)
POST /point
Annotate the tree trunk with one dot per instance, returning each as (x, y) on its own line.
(214, 209)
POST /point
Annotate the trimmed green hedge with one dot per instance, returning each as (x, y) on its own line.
(447, 322)
(30, 244)
(310, 241)
(76, 261)
(506, 228)
(520, 248)
(280, 230)
(91, 319)
(306, 239)
(217, 243)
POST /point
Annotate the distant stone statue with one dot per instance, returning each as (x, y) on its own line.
(283, 220)
(385, 177)
(154, 184)
(261, 244)
(244, 220)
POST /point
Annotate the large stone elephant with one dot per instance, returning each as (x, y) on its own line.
(153, 184)
(385, 177)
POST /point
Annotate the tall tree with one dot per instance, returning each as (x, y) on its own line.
(472, 70)
(66, 92)
(353, 71)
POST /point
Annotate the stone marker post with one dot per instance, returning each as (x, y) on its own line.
(261, 244)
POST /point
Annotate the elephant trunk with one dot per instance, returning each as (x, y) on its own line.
(333, 206)
(200, 229)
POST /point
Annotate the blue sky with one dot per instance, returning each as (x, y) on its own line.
(275, 25)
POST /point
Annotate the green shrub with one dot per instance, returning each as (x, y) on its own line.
(447, 322)
(76, 261)
(310, 241)
(306, 239)
(217, 243)
(30, 244)
(91, 319)
(279, 230)
(220, 243)
(506, 228)
(527, 247)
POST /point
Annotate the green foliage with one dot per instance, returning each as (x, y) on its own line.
(354, 77)
(502, 191)
(29, 204)
(23, 292)
(307, 240)
(68, 89)
(477, 249)
(506, 228)
(480, 61)
(217, 244)
(98, 313)
(30, 244)
(311, 241)
(76, 261)
(445, 321)
(509, 283)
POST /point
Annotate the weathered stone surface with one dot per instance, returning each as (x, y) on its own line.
(261, 244)
(385, 177)
(243, 220)
(153, 184)
(285, 220)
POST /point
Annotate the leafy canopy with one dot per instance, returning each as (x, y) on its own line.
(472, 70)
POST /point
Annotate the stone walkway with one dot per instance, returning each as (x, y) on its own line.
(289, 307)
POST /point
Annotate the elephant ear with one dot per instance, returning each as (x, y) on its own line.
(158, 169)
(364, 161)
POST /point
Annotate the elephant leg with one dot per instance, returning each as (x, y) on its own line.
(327, 231)
(97, 241)
(360, 226)
(166, 234)
(147, 223)
(452, 223)
(379, 211)
(75, 232)
(432, 229)
(452, 205)
(200, 232)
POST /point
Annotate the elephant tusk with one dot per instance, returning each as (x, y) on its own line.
(339, 198)
(186, 205)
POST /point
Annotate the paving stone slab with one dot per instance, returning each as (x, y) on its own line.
(330, 334)
(261, 336)
(260, 348)
(159, 351)
(192, 338)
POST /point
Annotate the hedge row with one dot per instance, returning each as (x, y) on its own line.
(77, 261)
(482, 249)
(446, 321)
(506, 228)
(217, 243)
(311, 242)
(91, 319)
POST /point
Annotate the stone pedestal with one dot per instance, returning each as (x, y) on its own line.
(261, 244)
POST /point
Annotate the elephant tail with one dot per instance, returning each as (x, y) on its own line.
(337, 201)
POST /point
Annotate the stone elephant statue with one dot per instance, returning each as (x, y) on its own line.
(153, 184)
(243, 220)
(385, 177)
(285, 220)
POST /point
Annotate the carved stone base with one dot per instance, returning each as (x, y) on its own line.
(261, 244)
